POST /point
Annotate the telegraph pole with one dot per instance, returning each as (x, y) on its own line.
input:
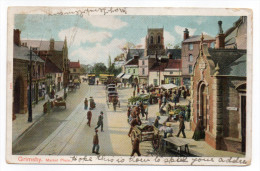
(30, 88)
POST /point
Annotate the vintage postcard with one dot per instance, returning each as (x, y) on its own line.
(129, 86)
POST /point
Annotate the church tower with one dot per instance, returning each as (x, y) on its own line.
(154, 42)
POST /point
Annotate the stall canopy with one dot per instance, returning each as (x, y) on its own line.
(127, 76)
(120, 75)
(168, 86)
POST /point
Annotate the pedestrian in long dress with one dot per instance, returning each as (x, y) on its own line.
(136, 147)
(181, 127)
(89, 116)
(95, 148)
(86, 104)
(160, 103)
(199, 132)
(100, 121)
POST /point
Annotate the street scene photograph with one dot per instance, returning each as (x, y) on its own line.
(129, 85)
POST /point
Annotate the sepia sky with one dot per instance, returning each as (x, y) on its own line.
(92, 38)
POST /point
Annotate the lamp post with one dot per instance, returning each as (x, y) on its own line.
(30, 88)
(159, 62)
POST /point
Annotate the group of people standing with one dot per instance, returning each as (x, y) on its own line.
(95, 148)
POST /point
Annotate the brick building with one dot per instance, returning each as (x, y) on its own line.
(190, 51)
(74, 70)
(54, 76)
(21, 62)
(55, 51)
(219, 92)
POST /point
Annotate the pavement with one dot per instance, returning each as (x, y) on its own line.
(65, 131)
(21, 124)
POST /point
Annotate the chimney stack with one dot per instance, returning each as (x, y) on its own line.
(186, 34)
(17, 39)
(220, 38)
(52, 44)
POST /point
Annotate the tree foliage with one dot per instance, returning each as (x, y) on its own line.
(99, 68)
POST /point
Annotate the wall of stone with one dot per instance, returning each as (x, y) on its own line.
(20, 68)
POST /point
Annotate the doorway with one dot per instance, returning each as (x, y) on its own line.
(203, 105)
(18, 95)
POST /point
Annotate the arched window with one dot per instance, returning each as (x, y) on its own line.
(151, 40)
(159, 39)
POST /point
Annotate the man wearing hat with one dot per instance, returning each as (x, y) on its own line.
(100, 121)
(89, 116)
(95, 148)
(181, 127)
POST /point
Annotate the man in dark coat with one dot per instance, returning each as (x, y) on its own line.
(114, 101)
(128, 112)
(141, 106)
(181, 127)
(89, 116)
(100, 121)
(95, 148)
(136, 147)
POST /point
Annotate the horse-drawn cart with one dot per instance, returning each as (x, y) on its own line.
(111, 98)
(59, 103)
(146, 133)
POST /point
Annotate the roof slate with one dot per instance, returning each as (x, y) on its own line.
(23, 53)
(74, 65)
(133, 61)
(176, 53)
(50, 67)
(227, 59)
(236, 68)
(134, 52)
(43, 44)
(196, 38)
(174, 64)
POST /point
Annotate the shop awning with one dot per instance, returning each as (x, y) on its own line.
(120, 75)
(127, 76)
(168, 86)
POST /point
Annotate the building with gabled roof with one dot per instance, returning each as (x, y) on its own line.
(56, 51)
(190, 51)
(74, 70)
(218, 94)
(21, 70)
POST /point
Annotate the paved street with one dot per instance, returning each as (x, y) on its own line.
(65, 132)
